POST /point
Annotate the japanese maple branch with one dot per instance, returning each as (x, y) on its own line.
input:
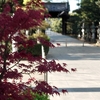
(5, 59)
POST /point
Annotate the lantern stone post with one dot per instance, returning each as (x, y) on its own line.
(98, 35)
(93, 31)
(83, 31)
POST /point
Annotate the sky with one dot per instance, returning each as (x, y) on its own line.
(73, 3)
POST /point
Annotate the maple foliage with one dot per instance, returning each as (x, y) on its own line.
(12, 67)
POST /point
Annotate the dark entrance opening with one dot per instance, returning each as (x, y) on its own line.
(59, 10)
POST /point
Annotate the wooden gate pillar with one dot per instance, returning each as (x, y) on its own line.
(64, 26)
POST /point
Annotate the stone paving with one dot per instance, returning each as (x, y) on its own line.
(84, 84)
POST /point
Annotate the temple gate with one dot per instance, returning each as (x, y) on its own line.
(61, 10)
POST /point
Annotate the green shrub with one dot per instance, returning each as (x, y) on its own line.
(36, 50)
(41, 96)
(39, 35)
(36, 96)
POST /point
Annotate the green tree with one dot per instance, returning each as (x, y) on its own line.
(56, 24)
(89, 10)
(73, 24)
(98, 3)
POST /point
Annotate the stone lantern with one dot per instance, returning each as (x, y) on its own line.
(98, 33)
(88, 33)
(83, 30)
(93, 31)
